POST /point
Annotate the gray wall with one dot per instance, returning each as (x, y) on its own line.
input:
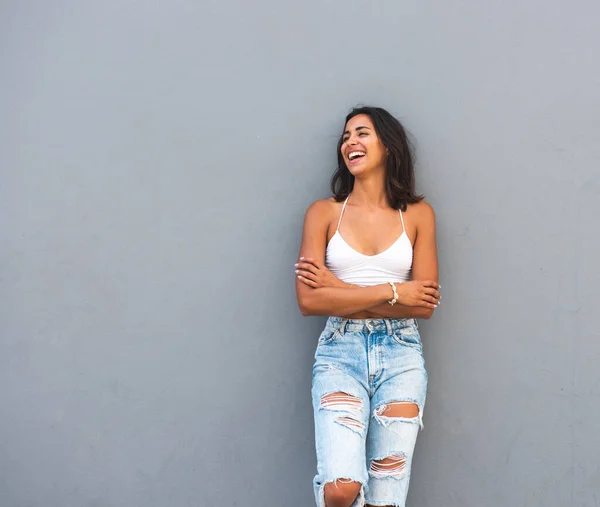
(156, 161)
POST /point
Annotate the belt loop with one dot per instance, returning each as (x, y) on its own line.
(342, 329)
(388, 326)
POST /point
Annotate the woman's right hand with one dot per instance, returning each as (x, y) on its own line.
(423, 293)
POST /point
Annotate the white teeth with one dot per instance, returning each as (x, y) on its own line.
(354, 154)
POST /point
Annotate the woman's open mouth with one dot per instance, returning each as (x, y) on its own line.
(355, 156)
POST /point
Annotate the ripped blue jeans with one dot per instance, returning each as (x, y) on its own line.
(362, 369)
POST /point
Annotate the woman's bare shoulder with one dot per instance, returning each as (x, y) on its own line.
(324, 208)
(421, 209)
(321, 214)
(421, 213)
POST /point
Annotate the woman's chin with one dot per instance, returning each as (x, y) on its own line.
(360, 170)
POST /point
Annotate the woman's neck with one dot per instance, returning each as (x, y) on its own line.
(370, 193)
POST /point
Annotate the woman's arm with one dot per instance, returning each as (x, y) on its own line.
(337, 301)
(331, 300)
(424, 267)
(399, 311)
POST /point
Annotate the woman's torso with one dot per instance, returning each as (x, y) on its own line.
(384, 259)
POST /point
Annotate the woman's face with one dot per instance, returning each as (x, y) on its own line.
(361, 148)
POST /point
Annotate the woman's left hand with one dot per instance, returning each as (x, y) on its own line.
(314, 274)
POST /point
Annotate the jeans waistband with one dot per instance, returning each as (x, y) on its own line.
(368, 325)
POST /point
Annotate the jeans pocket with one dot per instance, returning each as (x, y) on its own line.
(408, 336)
(328, 335)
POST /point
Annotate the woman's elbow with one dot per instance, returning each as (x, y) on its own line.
(304, 310)
(305, 306)
(310, 305)
(427, 313)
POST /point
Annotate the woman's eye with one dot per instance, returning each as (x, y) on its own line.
(362, 134)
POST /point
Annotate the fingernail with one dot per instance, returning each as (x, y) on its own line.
(301, 258)
(296, 271)
(295, 265)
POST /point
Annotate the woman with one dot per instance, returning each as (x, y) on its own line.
(368, 260)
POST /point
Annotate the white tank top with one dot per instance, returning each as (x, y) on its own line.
(392, 265)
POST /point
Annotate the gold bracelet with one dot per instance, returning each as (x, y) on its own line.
(393, 301)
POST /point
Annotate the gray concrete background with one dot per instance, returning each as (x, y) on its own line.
(156, 160)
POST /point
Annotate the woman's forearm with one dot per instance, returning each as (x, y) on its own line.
(343, 300)
(399, 311)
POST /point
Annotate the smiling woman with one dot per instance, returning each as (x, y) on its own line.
(368, 260)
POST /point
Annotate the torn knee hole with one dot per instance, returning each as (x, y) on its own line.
(346, 481)
(392, 466)
(342, 488)
(404, 409)
(341, 401)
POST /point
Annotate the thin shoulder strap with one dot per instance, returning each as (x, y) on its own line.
(401, 218)
(342, 213)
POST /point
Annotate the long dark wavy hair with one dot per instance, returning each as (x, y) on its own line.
(399, 171)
